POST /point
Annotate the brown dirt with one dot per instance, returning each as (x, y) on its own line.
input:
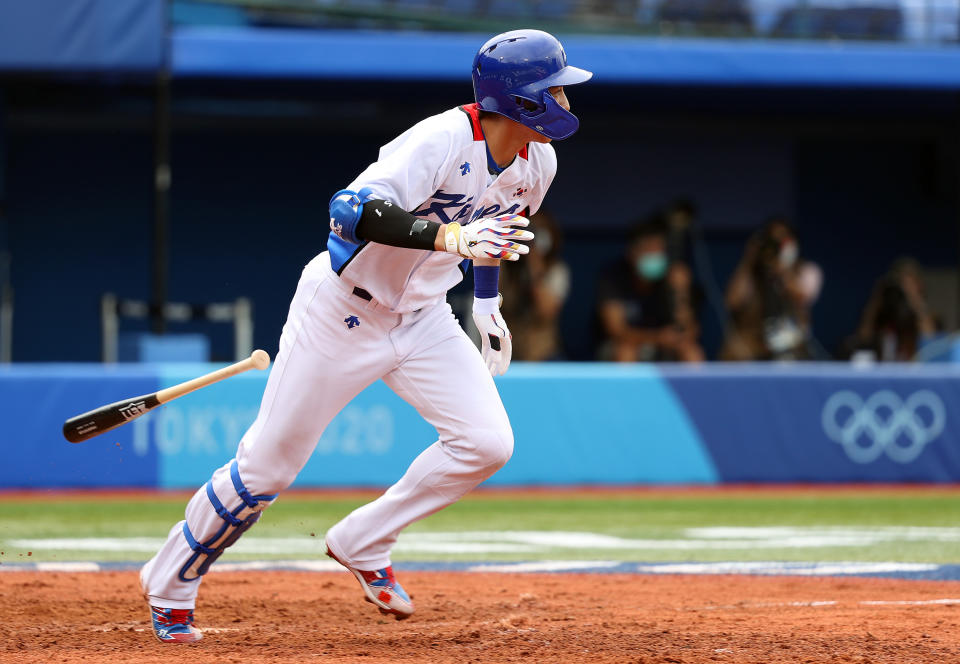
(287, 617)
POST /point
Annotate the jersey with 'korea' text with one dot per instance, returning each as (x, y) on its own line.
(437, 170)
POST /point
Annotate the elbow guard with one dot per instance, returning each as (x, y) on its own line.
(346, 208)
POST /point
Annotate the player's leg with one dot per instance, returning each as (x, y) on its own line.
(445, 379)
(321, 365)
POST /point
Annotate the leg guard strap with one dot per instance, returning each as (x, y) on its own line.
(221, 511)
(192, 541)
(245, 496)
(236, 523)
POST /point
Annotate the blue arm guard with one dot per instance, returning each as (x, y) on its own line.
(346, 207)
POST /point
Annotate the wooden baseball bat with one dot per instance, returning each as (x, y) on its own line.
(95, 422)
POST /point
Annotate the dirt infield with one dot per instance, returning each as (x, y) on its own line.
(287, 617)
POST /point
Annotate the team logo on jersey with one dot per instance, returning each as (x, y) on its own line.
(521, 190)
(441, 202)
(351, 321)
(464, 168)
(446, 207)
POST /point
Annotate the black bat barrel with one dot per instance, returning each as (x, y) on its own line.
(95, 422)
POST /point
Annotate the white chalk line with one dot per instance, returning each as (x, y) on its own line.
(761, 568)
(824, 603)
(905, 602)
(776, 568)
(760, 605)
(545, 566)
(729, 538)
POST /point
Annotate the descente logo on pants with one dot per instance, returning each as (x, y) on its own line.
(883, 423)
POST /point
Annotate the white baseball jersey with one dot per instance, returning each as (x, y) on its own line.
(336, 342)
(437, 170)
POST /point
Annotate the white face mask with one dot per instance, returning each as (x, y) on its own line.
(544, 241)
(788, 254)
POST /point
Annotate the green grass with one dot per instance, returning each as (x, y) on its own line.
(635, 516)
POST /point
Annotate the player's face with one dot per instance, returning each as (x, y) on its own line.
(560, 96)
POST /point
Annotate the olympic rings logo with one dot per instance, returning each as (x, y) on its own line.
(884, 423)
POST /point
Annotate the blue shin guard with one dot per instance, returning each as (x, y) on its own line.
(236, 523)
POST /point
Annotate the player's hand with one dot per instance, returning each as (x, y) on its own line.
(495, 237)
(496, 344)
(669, 336)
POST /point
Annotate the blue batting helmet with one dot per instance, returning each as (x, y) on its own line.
(523, 65)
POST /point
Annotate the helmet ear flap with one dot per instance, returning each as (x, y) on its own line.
(554, 121)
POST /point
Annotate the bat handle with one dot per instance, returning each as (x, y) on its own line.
(259, 359)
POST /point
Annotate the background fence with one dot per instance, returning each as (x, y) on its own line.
(185, 152)
(575, 424)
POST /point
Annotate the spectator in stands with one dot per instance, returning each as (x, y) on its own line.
(680, 216)
(896, 320)
(538, 287)
(645, 306)
(769, 298)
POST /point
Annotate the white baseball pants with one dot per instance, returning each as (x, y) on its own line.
(424, 356)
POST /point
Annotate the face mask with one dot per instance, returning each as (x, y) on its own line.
(788, 254)
(652, 266)
(544, 240)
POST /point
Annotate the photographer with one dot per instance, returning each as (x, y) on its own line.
(769, 298)
(644, 303)
(896, 319)
(539, 286)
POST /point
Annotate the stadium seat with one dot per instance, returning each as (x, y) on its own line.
(867, 23)
(419, 5)
(804, 22)
(510, 8)
(845, 23)
(185, 12)
(555, 9)
(461, 6)
(726, 14)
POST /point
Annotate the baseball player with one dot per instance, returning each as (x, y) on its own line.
(452, 190)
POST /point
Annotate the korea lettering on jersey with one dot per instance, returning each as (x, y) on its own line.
(437, 170)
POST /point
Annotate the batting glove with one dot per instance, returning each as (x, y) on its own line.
(495, 339)
(495, 237)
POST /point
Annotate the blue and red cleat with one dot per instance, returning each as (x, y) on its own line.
(381, 588)
(174, 625)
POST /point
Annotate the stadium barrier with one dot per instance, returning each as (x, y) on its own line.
(574, 424)
(133, 37)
